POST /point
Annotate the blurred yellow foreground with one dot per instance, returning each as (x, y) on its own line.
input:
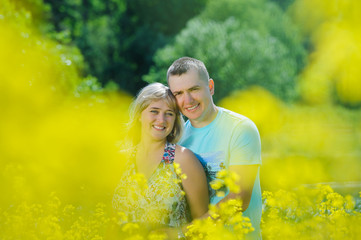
(60, 141)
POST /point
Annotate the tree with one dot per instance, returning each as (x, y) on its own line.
(118, 38)
(284, 4)
(242, 43)
(93, 26)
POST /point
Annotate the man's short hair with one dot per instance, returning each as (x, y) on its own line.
(184, 64)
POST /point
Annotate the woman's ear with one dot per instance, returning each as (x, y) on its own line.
(211, 86)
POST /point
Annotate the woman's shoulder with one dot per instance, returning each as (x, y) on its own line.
(188, 162)
(183, 154)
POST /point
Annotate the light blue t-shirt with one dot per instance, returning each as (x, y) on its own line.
(230, 139)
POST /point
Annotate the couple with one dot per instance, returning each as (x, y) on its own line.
(213, 139)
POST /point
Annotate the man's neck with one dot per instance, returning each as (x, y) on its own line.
(208, 118)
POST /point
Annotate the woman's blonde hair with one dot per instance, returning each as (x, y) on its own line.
(150, 93)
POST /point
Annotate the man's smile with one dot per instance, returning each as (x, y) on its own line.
(192, 108)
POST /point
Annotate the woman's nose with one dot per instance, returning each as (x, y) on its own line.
(161, 118)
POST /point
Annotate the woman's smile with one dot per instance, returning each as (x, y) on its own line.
(159, 117)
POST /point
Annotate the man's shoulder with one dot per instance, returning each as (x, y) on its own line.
(237, 122)
(235, 118)
(227, 121)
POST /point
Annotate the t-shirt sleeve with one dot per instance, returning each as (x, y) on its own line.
(245, 145)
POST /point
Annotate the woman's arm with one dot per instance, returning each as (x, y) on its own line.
(195, 185)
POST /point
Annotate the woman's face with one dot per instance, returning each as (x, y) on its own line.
(157, 120)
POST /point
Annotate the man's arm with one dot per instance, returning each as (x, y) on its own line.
(244, 159)
(247, 176)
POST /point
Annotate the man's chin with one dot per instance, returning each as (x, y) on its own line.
(191, 117)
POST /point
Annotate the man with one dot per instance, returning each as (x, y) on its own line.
(220, 138)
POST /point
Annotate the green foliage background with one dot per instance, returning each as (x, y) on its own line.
(242, 43)
(118, 38)
(62, 114)
(128, 43)
(132, 42)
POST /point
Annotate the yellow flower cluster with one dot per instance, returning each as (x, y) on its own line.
(333, 72)
(181, 175)
(226, 220)
(52, 220)
(225, 178)
(178, 171)
(305, 213)
(53, 140)
(310, 213)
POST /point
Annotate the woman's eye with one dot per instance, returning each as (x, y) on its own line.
(154, 111)
(170, 114)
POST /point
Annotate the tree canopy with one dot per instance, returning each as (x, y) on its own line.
(118, 38)
(242, 43)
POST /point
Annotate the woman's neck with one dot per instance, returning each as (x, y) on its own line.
(148, 145)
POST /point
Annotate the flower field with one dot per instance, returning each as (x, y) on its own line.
(60, 158)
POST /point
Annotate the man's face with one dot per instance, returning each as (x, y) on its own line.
(194, 95)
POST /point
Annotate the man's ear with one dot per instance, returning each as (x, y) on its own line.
(211, 86)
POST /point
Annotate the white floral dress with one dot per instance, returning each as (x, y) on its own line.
(160, 200)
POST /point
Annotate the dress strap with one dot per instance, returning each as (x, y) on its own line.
(169, 152)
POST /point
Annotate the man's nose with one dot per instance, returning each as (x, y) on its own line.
(188, 98)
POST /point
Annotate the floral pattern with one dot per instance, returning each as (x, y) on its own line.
(160, 200)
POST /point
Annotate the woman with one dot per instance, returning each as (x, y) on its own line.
(164, 199)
